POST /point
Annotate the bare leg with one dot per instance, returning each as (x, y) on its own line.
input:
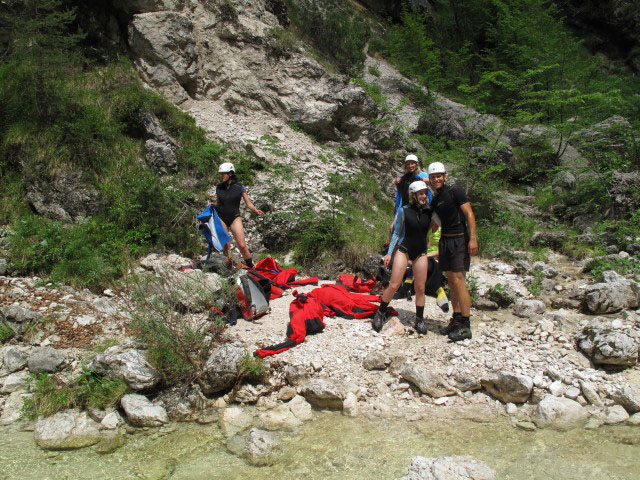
(420, 266)
(459, 295)
(397, 274)
(238, 234)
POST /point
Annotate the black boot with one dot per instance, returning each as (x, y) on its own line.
(378, 320)
(453, 324)
(462, 332)
(421, 327)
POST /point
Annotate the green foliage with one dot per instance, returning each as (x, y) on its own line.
(624, 266)
(49, 394)
(319, 232)
(6, 333)
(535, 284)
(177, 343)
(499, 294)
(333, 30)
(472, 287)
(374, 70)
(500, 235)
(252, 367)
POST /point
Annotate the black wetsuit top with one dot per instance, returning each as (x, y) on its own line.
(403, 187)
(447, 205)
(416, 228)
(228, 204)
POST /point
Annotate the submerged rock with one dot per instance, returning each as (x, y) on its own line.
(67, 430)
(258, 447)
(463, 467)
(559, 412)
(234, 420)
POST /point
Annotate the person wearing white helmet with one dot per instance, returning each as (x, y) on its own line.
(411, 225)
(229, 193)
(458, 243)
(411, 174)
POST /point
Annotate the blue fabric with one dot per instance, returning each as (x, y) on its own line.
(215, 233)
(398, 230)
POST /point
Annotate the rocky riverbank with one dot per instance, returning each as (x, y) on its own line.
(540, 361)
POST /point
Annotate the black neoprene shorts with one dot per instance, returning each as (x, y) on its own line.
(454, 254)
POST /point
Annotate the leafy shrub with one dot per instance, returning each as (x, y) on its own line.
(499, 294)
(165, 319)
(534, 286)
(89, 390)
(320, 232)
(374, 70)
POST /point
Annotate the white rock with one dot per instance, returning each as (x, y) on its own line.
(66, 430)
(142, 412)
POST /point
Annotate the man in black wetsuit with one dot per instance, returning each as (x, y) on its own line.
(457, 244)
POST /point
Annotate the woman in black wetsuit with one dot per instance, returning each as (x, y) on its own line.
(411, 228)
(228, 195)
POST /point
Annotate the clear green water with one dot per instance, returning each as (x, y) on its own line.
(337, 447)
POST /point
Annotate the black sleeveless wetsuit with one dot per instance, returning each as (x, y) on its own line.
(228, 204)
(416, 228)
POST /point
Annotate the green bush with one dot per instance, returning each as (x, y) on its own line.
(162, 310)
(623, 266)
(339, 35)
(6, 333)
(49, 394)
(319, 232)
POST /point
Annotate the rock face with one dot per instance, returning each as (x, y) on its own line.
(128, 364)
(221, 368)
(65, 196)
(166, 51)
(612, 295)
(622, 191)
(324, 393)
(142, 412)
(67, 430)
(45, 359)
(463, 467)
(605, 345)
(509, 387)
(428, 383)
(559, 412)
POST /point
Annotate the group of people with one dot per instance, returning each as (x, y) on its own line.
(424, 204)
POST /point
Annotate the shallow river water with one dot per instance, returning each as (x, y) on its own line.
(337, 447)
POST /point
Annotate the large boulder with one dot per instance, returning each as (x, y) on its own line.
(559, 412)
(605, 345)
(127, 363)
(427, 382)
(624, 191)
(15, 358)
(629, 397)
(324, 393)
(612, 295)
(142, 412)
(221, 369)
(459, 467)
(509, 387)
(45, 360)
(67, 430)
(160, 156)
(17, 318)
(528, 308)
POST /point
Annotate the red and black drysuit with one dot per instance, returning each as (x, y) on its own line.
(307, 311)
(305, 317)
(279, 278)
(355, 283)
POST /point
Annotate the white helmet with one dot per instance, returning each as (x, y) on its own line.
(436, 167)
(226, 168)
(410, 158)
(416, 186)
